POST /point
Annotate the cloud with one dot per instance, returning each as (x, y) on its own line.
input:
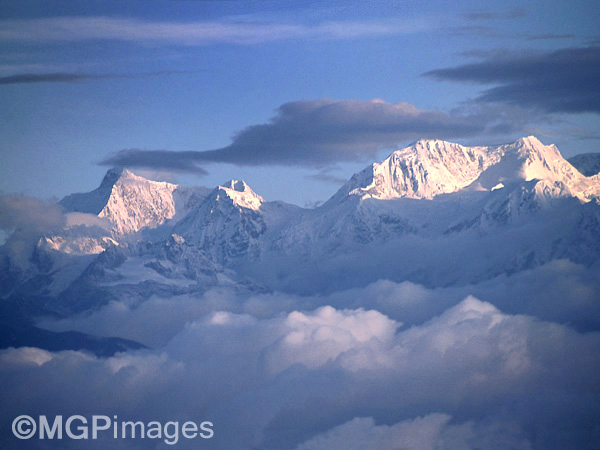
(361, 433)
(474, 30)
(514, 13)
(477, 23)
(325, 176)
(332, 378)
(73, 29)
(314, 339)
(559, 81)
(26, 78)
(32, 224)
(167, 315)
(77, 219)
(559, 291)
(319, 133)
(157, 160)
(425, 433)
(540, 37)
(29, 78)
(28, 213)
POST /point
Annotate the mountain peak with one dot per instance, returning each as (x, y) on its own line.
(530, 141)
(128, 201)
(427, 168)
(428, 142)
(115, 174)
(111, 176)
(430, 167)
(237, 185)
(241, 194)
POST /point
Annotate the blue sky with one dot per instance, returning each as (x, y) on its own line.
(291, 96)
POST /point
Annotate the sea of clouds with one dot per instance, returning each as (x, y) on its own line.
(510, 361)
(500, 364)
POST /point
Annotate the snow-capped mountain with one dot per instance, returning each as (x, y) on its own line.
(409, 217)
(430, 168)
(130, 202)
(422, 170)
(134, 272)
(234, 222)
(405, 219)
(228, 223)
(469, 187)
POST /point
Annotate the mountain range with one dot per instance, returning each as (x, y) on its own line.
(435, 213)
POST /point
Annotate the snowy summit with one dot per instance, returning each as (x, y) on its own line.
(432, 167)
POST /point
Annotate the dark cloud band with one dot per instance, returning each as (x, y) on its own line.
(560, 81)
(26, 78)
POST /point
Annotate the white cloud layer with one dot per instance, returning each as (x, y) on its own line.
(560, 291)
(328, 377)
(431, 432)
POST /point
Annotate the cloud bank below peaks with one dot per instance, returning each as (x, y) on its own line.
(320, 133)
(471, 376)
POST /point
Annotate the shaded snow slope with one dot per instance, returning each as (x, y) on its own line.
(588, 163)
